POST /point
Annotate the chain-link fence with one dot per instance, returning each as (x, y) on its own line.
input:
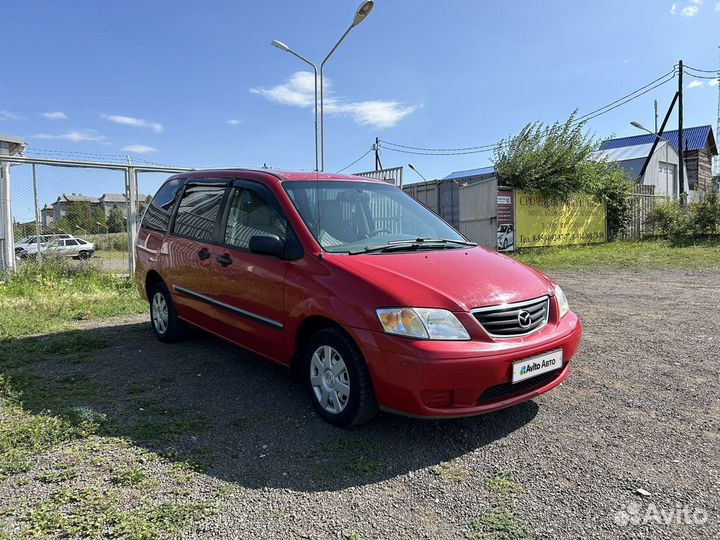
(86, 211)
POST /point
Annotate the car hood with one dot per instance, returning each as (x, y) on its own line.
(454, 279)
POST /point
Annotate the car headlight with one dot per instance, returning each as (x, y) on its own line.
(422, 323)
(562, 301)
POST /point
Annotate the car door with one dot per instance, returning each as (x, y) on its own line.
(251, 286)
(71, 248)
(192, 252)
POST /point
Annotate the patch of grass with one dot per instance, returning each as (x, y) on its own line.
(503, 483)
(58, 475)
(128, 476)
(621, 254)
(41, 298)
(95, 513)
(154, 421)
(450, 472)
(497, 525)
(345, 453)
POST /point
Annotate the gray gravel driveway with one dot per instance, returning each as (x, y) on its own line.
(640, 411)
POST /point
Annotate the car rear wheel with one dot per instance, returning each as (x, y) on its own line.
(163, 318)
(338, 379)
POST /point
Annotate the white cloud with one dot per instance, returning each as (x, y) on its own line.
(673, 9)
(139, 149)
(299, 91)
(689, 11)
(132, 121)
(8, 116)
(695, 84)
(379, 114)
(234, 122)
(697, 2)
(87, 135)
(57, 115)
(714, 82)
(717, 6)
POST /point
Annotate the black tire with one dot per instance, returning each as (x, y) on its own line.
(174, 328)
(83, 256)
(360, 405)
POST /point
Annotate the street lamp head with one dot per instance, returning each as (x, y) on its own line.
(412, 167)
(363, 11)
(280, 45)
(638, 125)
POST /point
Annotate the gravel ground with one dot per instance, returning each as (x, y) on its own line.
(639, 412)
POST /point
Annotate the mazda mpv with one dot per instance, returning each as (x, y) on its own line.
(374, 300)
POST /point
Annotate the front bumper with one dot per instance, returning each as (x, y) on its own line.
(453, 379)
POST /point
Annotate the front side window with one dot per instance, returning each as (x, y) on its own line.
(71, 242)
(251, 215)
(198, 211)
(347, 217)
(157, 214)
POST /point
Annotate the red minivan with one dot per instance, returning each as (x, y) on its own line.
(374, 299)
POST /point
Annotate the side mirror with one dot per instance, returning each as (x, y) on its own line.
(267, 245)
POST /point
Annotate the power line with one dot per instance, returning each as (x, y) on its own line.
(585, 119)
(439, 149)
(422, 151)
(358, 159)
(632, 95)
(700, 70)
(441, 154)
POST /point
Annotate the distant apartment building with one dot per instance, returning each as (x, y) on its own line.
(53, 213)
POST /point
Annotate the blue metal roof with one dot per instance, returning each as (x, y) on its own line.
(696, 138)
(471, 172)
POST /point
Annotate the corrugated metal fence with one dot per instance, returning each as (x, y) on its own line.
(478, 212)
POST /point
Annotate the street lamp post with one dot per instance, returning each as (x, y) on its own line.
(424, 180)
(360, 15)
(638, 125)
(280, 45)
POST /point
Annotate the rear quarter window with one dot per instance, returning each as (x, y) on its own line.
(157, 214)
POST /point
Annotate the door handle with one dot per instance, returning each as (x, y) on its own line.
(224, 260)
(204, 254)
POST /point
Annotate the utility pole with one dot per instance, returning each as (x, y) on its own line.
(376, 147)
(681, 139)
(656, 116)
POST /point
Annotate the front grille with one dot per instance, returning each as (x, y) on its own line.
(500, 391)
(505, 321)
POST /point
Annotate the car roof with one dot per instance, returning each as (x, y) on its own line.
(281, 175)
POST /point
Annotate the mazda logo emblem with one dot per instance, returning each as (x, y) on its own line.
(524, 319)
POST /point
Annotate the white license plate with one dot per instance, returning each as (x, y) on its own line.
(537, 365)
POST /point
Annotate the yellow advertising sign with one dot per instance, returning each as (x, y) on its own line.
(540, 221)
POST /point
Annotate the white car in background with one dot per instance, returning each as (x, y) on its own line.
(60, 247)
(42, 239)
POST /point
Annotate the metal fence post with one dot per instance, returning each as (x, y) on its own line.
(131, 192)
(6, 221)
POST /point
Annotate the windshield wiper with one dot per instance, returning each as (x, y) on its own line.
(429, 240)
(413, 245)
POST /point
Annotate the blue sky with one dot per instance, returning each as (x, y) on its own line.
(198, 84)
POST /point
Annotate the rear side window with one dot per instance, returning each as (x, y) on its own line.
(198, 211)
(157, 215)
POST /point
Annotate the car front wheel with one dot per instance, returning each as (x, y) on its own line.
(338, 379)
(163, 318)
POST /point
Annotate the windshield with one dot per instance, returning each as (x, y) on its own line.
(357, 216)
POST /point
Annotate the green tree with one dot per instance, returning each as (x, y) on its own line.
(82, 216)
(556, 161)
(116, 221)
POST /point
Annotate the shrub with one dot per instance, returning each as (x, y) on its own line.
(699, 220)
